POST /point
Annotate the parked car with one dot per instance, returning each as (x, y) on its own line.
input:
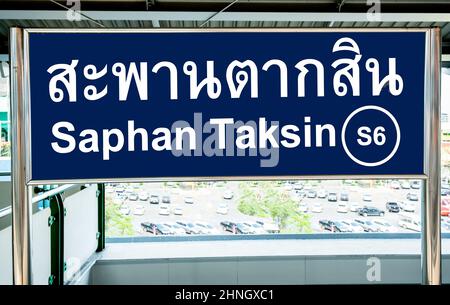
(189, 200)
(405, 185)
(189, 227)
(412, 197)
(342, 207)
(165, 199)
(143, 196)
(139, 210)
(228, 225)
(392, 207)
(385, 226)
(154, 199)
(370, 211)
(125, 210)
(368, 225)
(332, 197)
(367, 197)
(177, 211)
(298, 186)
(445, 224)
(269, 226)
(255, 227)
(407, 206)
(354, 207)
(334, 226)
(228, 195)
(175, 228)
(322, 193)
(445, 192)
(303, 207)
(235, 228)
(354, 226)
(156, 228)
(344, 196)
(133, 197)
(410, 222)
(311, 194)
(222, 209)
(164, 210)
(445, 207)
(120, 190)
(243, 229)
(395, 185)
(415, 184)
(206, 228)
(317, 208)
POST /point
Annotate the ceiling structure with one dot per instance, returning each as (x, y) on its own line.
(224, 13)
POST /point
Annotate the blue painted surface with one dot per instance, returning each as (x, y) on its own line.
(47, 49)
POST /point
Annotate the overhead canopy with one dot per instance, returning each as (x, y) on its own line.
(225, 13)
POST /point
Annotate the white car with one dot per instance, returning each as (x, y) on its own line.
(255, 227)
(410, 223)
(303, 207)
(222, 209)
(228, 195)
(407, 206)
(177, 211)
(164, 210)
(354, 207)
(367, 198)
(405, 185)
(395, 185)
(206, 228)
(317, 208)
(175, 228)
(386, 226)
(354, 226)
(143, 196)
(288, 187)
(120, 190)
(189, 200)
(322, 194)
(139, 210)
(342, 207)
(133, 197)
(269, 226)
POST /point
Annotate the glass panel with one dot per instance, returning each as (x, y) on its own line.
(5, 126)
(80, 229)
(263, 207)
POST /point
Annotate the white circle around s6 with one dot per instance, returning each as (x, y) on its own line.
(397, 141)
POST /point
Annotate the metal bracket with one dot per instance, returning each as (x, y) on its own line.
(51, 279)
(51, 220)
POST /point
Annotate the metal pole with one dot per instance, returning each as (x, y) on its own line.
(21, 206)
(431, 192)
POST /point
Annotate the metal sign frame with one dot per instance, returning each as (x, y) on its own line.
(21, 144)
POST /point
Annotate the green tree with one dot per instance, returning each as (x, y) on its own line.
(116, 223)
(266, 200)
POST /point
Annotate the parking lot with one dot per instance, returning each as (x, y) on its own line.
(207, 197)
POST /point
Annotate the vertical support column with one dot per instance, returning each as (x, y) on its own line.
(101, 216)
(21, 193)
(431, 196)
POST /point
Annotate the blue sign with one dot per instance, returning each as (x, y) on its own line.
(226, 104)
